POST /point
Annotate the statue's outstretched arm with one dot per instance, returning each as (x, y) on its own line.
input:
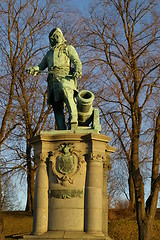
(37, 69)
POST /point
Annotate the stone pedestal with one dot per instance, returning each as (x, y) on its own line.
(70, 185)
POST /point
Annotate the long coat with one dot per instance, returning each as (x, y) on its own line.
(59, 61)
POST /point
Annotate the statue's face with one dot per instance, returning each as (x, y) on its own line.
(56, 37)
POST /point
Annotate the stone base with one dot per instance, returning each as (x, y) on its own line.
(56, 235)
(70, 185)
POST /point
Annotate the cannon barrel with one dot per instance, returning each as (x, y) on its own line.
(85, 109)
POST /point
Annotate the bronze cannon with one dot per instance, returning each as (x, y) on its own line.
(87, 114)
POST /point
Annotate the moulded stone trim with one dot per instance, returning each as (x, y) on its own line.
(40, 157)
(96, 157)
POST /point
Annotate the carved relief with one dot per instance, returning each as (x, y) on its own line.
(40, 157)
(66, 163)
(96, 157)
(66, 193)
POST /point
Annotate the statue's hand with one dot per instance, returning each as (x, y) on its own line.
(33, 70)
(77, 75)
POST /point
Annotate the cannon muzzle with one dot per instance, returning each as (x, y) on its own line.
(85, 109)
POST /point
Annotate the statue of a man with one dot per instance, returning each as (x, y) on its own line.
(64, 68)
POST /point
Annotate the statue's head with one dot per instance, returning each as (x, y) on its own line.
(56, 36)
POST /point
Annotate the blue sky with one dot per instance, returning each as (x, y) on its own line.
(80, 4)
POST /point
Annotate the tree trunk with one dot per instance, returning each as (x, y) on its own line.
(30, 180)
(146, 214)
(145, 232)
(140, 206)
(135, 170)
(131, 191)
(1, 218)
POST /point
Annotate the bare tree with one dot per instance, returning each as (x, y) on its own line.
(34, 114)
(10, 201)
(1, 220)
(123, 36)
(19, 22)
(25, 27)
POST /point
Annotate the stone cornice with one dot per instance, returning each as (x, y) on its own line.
(52, 136)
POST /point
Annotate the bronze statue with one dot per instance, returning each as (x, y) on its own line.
(64, 67)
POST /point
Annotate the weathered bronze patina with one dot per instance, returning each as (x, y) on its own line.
(64, 68)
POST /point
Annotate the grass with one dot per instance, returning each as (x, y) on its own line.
(126, 229)
(123, 229)
(17, 224)
(20, 223)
